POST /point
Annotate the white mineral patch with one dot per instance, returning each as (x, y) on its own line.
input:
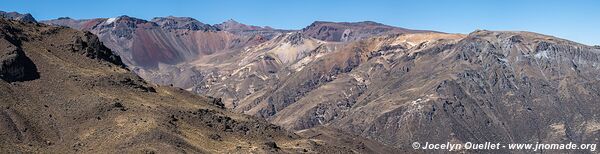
(541, 54)
(110, 20)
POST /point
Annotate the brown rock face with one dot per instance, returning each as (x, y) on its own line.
(84, 101)
(393, 85)
(161, 50)
(505, 87)
(17, 16)
(430, 87)
(174, 23)
(236, 27)
(14, 64)
(351, 31)
(164, 40)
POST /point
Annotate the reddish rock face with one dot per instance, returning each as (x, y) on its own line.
(166, 40)
(148, 50)
(378, 81)
(83, 101)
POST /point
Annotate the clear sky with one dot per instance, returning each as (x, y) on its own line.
(577, 20)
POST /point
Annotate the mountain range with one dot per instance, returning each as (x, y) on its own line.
(63, 91)
(341, 85)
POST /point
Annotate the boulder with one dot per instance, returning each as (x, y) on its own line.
(14, 64)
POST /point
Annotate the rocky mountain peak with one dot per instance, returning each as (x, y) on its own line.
(78, 90)
(351, 31)
(293, 38)
(172, 23)
(126, 20)
(483, 33)
(370, 23)
(230, 24)
(514, 37)
(231, 21)
(63, 18)
(235, 26)
(360, 23)
(17, 16)
(365, 78)
(318, 22)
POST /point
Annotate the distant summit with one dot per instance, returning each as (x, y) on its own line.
(167, 40)
(350, 31)
(171, 22)
(17, 16)
(232, 25)
(83, 101)
(366, 79)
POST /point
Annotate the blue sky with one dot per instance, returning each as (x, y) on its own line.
(577, 20)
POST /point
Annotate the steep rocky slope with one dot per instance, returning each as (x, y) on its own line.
(186, 23)
(159, 50)
(395, 85)
(351, 31)
(162, 50)
(357, 143)
(62, 91)
(509, 87)
(164, 40)
(232, 25)
(257, 71)
(17, 16)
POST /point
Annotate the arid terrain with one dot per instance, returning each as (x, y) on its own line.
(341, 87)
(63, 91)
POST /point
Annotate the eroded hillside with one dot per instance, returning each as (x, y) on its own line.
(63, 91)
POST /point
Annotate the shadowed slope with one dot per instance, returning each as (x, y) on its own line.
(85, 101)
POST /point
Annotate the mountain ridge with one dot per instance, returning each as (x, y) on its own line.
(384, 83)
(17, 16)
(85, 101)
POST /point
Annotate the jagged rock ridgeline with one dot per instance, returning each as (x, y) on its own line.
(501, 86)
(165, 40)
(352, 31)
(17, 16)
(171, 23)
(90, 46)
(84, 101)
(234, 26)
(163, 50)
(389, 84)
(464, 87)
(384, 83)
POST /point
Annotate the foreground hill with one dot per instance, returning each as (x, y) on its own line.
(62, 91)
